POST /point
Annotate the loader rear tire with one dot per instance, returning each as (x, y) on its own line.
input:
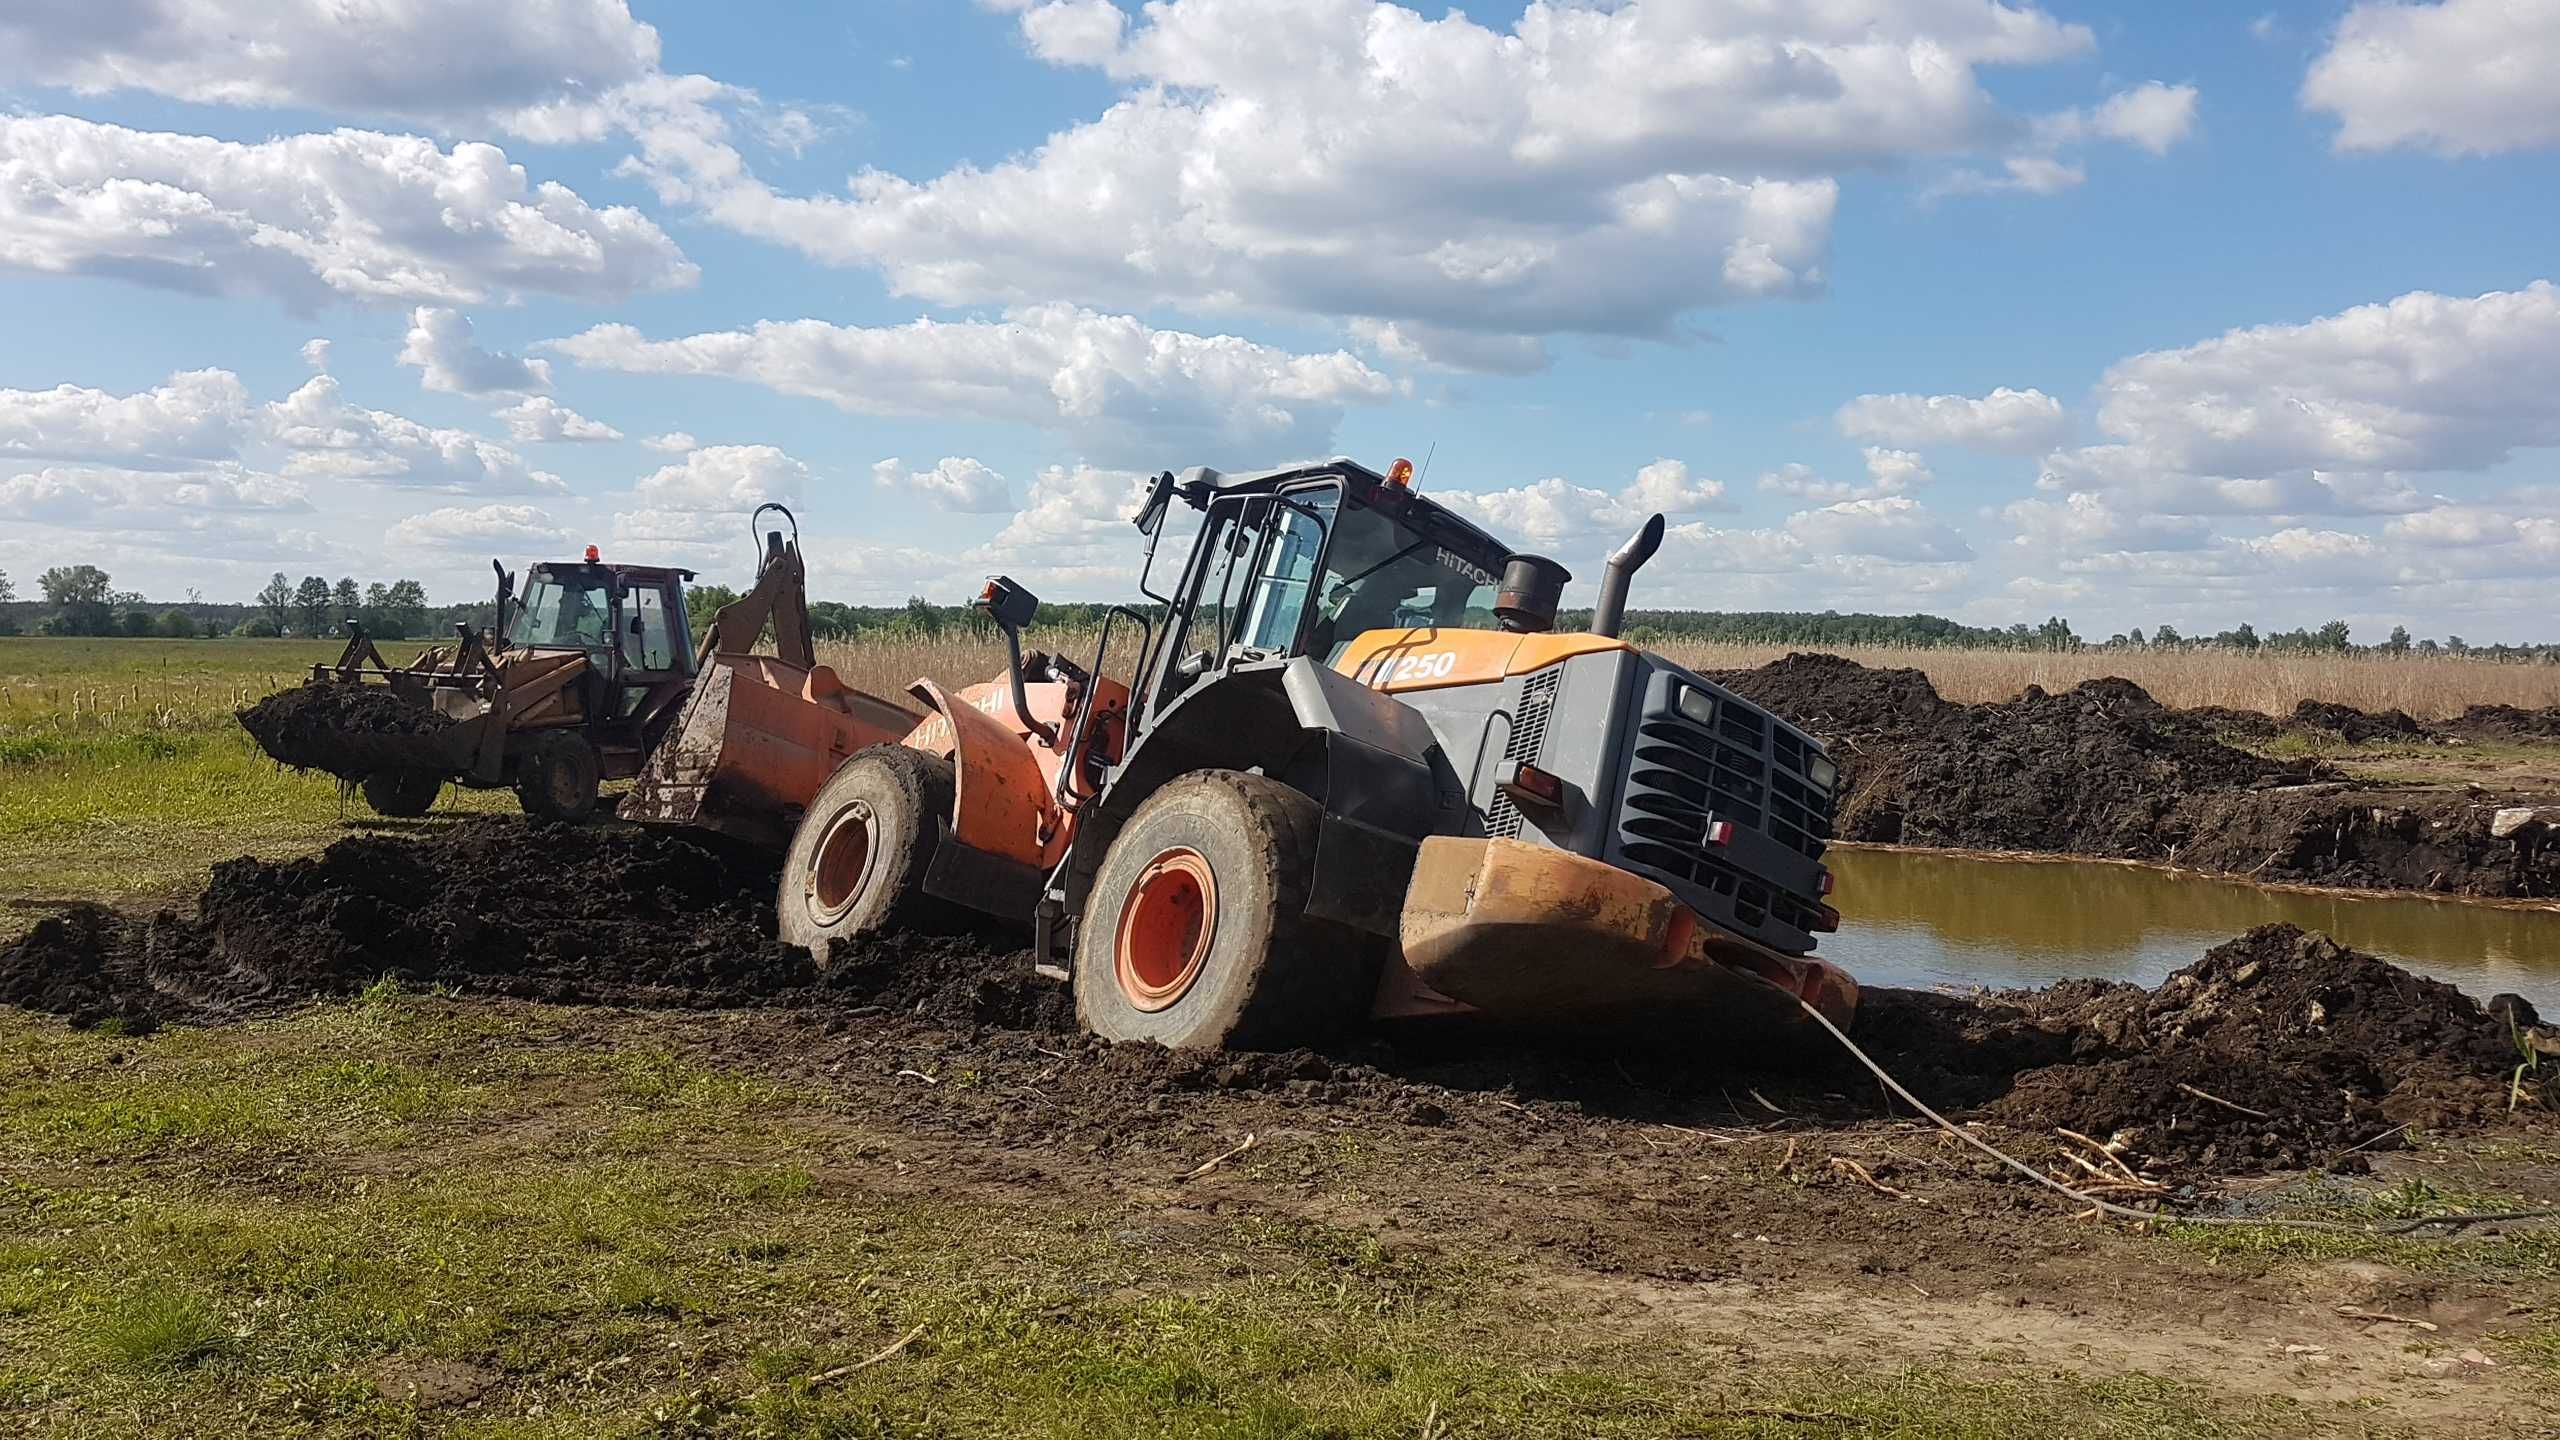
(1196, 934)
(402, 794)
(556, 779)
(858, 860)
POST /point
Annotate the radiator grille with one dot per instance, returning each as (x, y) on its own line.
(1742, 768)
(1528, 741)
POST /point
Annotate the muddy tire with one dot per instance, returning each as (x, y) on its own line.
(556, 779)
(1196, 932)
(402, 794)
(857, 863)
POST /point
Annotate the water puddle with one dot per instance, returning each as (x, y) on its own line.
(1922, 919)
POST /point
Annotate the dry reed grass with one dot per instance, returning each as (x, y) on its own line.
(2429, 687)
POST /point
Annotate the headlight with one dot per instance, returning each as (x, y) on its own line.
(1697, 704)
(1822, 772)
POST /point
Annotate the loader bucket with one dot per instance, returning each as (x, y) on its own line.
(1547, 937)
(755, 740)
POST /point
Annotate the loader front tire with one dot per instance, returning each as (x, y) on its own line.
(556, 779)
(402, 794)
(858, 860)
(1196, 934)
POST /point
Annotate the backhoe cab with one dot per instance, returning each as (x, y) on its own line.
(1352, 773)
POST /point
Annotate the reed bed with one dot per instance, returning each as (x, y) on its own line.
(2431, 687)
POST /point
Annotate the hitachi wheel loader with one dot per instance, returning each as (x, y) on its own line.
(1353, 774)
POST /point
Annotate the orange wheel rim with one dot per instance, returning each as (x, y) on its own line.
(1166, 925)
(842, 863)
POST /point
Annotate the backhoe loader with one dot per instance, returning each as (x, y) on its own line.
(578, 678)
(1352, 773)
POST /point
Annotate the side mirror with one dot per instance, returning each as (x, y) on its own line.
(1159, 495)
(634, 627)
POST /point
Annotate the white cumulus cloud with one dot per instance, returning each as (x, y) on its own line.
(724, 478)
(2460, 77)
(955, 483)
(429, 59)
(1890, 527)
(508, 529)
(2006, 421)
(195, 416)
(306, 219)
(330, 438)
(1111, 382)
(541, 420)
(440, 344)
(1594, 169)
(2331, 415)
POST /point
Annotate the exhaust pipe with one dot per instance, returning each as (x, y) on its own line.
(1609, 615)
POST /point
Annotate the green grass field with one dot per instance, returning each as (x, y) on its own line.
(124, 776)
(406, 1215)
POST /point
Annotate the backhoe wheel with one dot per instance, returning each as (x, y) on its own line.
(857, 863)
(402, 794)
(556, 779)
(1196, 932)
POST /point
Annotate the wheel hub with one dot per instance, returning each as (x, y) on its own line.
(1165, 929)
(843, 863)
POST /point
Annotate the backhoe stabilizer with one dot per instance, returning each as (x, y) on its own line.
(1539, 935)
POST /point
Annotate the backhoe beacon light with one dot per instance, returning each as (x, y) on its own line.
(1400, 474)
(593, 555)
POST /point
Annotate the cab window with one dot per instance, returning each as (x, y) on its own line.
(657, 649)
(563, 614)
(1382, 574)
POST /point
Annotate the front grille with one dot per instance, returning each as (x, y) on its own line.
(1746, 768)
(1528, 741)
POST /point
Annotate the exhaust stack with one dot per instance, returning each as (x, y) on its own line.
(1609, 614)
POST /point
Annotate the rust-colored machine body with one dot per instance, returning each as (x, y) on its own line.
(760, 733)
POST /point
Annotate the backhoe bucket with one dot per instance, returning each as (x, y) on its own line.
(755, 741)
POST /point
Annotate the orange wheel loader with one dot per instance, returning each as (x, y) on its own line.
(1354, 774)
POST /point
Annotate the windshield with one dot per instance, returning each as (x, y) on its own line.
(1382, 574)
(562, 614)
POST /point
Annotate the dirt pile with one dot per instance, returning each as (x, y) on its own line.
(2355, 726)
(2277, 1050)
(545, 912)
(2507, 722)
(2104, 769)
(348, 730)
(2099, 769)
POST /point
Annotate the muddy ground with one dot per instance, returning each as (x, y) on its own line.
(1649, 1186)
(2103, 769)
(2274, 1051)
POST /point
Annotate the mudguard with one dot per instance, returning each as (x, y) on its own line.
(1001, 803)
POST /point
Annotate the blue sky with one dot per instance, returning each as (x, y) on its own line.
(2183, 312)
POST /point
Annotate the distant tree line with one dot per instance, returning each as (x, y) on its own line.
(81, 600)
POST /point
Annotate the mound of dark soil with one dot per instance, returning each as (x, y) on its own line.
(2104, 769)
(2357, 726)
(2095, 770)
(549, 912)
(336, 727)
(2507, 722)
(2274, 1051)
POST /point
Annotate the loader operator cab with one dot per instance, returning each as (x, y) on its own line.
(1300, 561)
